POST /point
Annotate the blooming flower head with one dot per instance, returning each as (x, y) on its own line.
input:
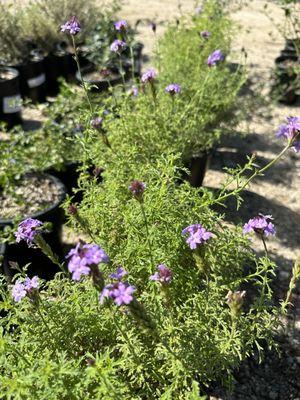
(28, 229)
(119, 274)
(173, 89)
(24, 287)
(120, 293)
(260, 224)
(121, 25)
(149, 76)
(134, 91)
(118, 46)
(291, 132)
(72, 26)
(197, 235)
(137, 188)
(214, 58)
(205, 34)
(83, 257)
(164, 274)
(96, 123)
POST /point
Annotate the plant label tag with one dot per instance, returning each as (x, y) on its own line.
(37, 81)
(12, 104)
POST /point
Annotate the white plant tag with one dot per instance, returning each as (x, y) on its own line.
(12, 104)
(37, 81)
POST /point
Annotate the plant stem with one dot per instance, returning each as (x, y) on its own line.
(46, 249)
(265, 245)
(80, 75)
(147, 232)
(256, 173)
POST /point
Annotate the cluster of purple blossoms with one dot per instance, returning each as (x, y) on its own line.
(261, 224)
(291, 132)
(121, 25)
(134, 91)
(163, 275)
(83, 257)
(149, 75)
(120, 292)
(25, 287)
(118, 46)
(96, 123)
(205, 34)
(197, 235)
(173, 89)
(28, 229)
(72, 26)
(137, 188)
(215, 57)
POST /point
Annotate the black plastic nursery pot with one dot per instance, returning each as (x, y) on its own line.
(22, 254)
(99, 80)
(197, 165)
(290, 48)
(68, 175)
(33, 78)
(58, 64)
(10, 97)
(286, 78)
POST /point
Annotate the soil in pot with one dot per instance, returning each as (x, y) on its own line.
(99, 79)
(36, 196)
(33, 78)
(10, 98)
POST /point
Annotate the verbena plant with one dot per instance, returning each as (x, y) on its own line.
(167, 297)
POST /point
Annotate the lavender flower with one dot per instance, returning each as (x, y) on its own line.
(164, 275)
(205, 34)
(24, 287)
(173, 89)
(96, 123)
(291, 132)
(83, 257)
(119, 274)
(120, 293)
(118, 46)
(28, 229)
(197, 235)
(214, 58)
(261, 225)
(198, 10)
(137, 188)
(121, 25)
(72, 26)
(134, 91)
(149, 76)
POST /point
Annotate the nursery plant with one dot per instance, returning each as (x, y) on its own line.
(160, 296)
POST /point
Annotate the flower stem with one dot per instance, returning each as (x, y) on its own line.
(147, 232)
(80, 75)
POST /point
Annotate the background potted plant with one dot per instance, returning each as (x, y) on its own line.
(10, 97)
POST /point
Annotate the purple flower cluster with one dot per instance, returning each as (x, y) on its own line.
(260, 224)
(197, 235)
(28, 229)
(24, 287)
(214, 58)
(149, 75)
(83, 257)
(164, 274)
(121, 25)
(119, 292)
(134, 91)
(118, 46)
(173, 89)
(291, 132)
(205, 34)
(72, 26)
(137, 188)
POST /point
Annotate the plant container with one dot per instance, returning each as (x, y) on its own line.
(100, 80)
(22, 254)
(197, 166)
(285, 79)
(10, 97)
